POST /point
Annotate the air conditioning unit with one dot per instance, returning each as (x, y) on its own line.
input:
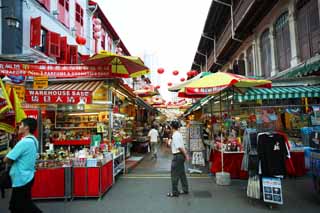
(55, 12)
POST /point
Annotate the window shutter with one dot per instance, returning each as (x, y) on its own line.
(53, 44)
(35, 31)
(66, 14)
(63, 50)
(61, 11)
(73, 52)
(47, 4)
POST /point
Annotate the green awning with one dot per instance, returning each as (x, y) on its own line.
(310, 66)
(199, 104)
(279, 93)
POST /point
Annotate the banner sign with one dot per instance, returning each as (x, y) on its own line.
(58, 96)
(272, 191)
(57, 70)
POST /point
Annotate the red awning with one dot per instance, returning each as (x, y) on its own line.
(64, 93)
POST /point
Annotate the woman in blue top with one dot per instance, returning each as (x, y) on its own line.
(23, 159)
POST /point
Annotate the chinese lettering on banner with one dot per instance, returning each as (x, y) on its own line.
(58, 70)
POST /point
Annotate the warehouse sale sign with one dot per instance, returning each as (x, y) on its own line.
(58, 96)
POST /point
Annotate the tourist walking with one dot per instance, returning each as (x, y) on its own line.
(154, 135)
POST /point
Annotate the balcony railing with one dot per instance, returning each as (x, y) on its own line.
(242, 9)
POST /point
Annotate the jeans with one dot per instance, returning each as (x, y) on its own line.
(178, 173)
(21, 201)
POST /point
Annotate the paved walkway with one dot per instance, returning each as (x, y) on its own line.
(144, 191)
(133, 194)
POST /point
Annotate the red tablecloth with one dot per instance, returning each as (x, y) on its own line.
(232, 164)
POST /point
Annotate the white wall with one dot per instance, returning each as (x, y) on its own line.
(48, 20)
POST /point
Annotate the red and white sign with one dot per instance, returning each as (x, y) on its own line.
(58, 70)
(58, 96)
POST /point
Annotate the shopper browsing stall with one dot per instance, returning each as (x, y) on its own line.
(23, 159)
(177, 167)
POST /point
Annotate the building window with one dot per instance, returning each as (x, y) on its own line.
(308, 28)
(63, 9)
(241, 65)
(79, 20)
(250, 62)
(282, 41)
(45, 4)
(265, 47)
(43, 38)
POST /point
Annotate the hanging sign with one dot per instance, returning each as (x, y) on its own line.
(58, 70)
(40, 82)
(58, 96)
(272, 191)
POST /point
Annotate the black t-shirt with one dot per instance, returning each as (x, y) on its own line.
(272, 153)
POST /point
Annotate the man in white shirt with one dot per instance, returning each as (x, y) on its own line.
(180, 155)
(153, 134)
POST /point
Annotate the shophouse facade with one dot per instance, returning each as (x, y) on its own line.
(56, 31)
(268, 39)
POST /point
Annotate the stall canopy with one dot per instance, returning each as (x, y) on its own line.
(279, 93)
(64, 93)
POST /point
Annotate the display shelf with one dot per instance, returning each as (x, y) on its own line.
(119, 155)
(71, 142)
(87, 127)
(76, 122)
(118, 169)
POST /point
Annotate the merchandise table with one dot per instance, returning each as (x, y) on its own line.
(233, 161)
(68, 182)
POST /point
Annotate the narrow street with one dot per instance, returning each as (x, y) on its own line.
(145, 189)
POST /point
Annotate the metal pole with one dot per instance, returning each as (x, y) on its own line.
(222, 145)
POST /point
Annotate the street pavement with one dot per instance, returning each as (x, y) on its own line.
(145, 189)
(139, 194)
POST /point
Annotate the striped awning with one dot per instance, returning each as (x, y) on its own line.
(279, 93)
(89, 86)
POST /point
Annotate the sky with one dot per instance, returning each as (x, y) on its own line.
(169, 30)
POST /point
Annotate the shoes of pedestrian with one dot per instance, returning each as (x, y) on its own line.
(183, 192)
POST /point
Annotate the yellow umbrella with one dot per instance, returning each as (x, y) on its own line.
(120, 66)
(217, 82)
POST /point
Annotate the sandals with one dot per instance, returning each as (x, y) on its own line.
(170, 194)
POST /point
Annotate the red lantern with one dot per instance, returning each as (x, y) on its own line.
(146, 87)
(194, 72)
(182, 79)
(81, 40)
(97, 21)
(169, 84)
(176, 72)
(97, 35)
(189, 74)
(97, 28)
(160, 70)
(158, 87)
